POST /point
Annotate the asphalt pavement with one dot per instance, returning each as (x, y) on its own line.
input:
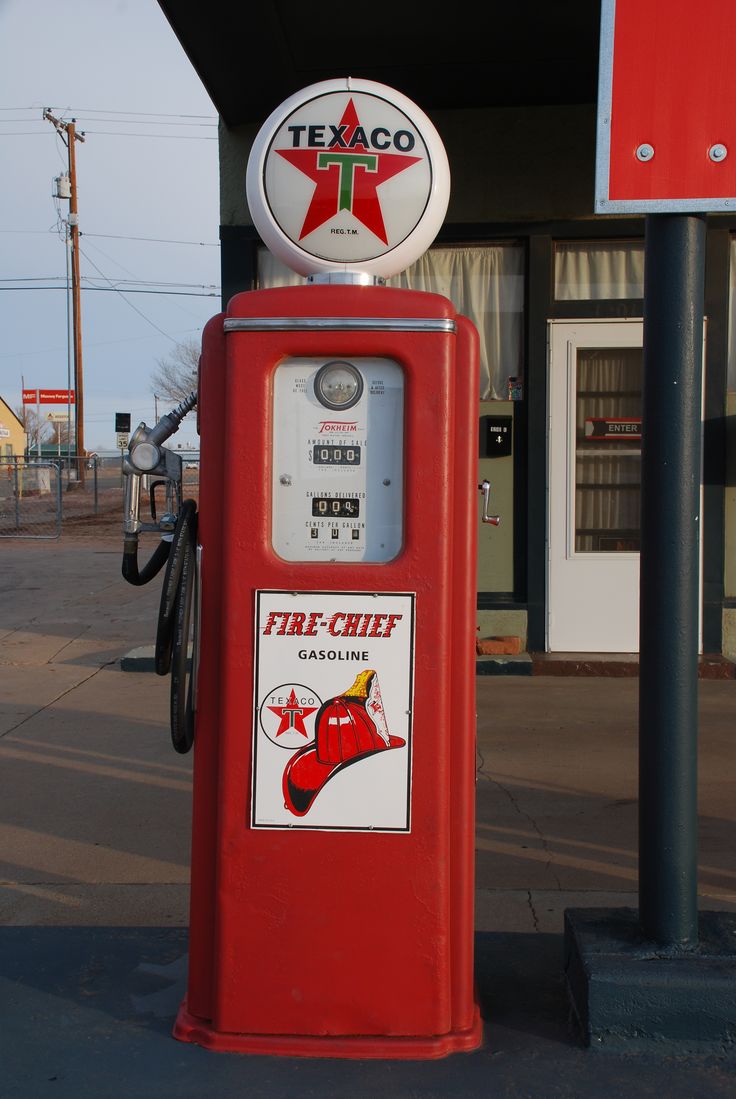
(95, 816)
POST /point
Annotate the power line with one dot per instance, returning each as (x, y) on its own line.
(167, 137)
(129, 284)
(141, 122)
(116, 290)
(120, 236)
(133, 281)
(100, 110)
(105, 110)
(118, 122)
(113, 133)
(130, 303)
(154, 240)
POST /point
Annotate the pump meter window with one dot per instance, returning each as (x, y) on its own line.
(338, 444)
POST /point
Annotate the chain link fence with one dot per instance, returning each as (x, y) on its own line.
(40, 498)
(30, 505)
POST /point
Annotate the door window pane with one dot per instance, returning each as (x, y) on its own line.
(608, 450)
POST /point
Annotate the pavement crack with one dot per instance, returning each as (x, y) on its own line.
(70, 641)
(481, 770)
(530, 902)
(53, 701)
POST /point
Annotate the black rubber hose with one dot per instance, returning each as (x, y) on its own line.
(182, 537)
(158, 558)
(182, 671)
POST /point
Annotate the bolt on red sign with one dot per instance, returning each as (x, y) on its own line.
(48, 396)
(666, 137)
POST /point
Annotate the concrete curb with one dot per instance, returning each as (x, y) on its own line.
(139, 660)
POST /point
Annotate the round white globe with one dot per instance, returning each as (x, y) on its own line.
(413, 226)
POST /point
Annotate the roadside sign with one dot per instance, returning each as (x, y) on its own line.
(56, 396)
(48, 396)
(666, 132)
(56, 415)
(122, 421)
(122, 438)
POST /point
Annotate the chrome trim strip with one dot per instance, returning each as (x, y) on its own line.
(371, 324)
(605, 97)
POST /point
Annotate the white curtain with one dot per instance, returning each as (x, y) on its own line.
(272, 272)
(592, 271)
(484, 283)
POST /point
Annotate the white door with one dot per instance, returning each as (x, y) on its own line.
(595, 376)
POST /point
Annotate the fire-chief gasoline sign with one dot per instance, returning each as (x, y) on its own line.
(333, 710)
(666, 137)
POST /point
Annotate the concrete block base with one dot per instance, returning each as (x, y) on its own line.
(141, 659)
(504, 665)
(626, 994)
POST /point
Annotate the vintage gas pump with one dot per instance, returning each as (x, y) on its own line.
(332, 879)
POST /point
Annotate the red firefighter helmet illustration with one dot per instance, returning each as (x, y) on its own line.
(348, 727)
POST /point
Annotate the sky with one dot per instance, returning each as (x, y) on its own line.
(147, 180)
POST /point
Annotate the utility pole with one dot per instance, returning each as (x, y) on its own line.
(69, 135)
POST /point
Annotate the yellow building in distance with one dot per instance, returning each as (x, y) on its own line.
(12, 435)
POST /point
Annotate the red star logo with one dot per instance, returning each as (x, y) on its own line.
(292, 715)
(347, 176)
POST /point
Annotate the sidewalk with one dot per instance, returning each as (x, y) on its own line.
(94, 829)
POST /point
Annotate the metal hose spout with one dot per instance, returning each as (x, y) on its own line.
(169, 423)
(147, 457)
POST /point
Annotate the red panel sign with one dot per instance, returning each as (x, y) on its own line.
(48, 396)
(56, 396)
(666, 106)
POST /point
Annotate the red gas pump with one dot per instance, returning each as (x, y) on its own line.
(332, 879)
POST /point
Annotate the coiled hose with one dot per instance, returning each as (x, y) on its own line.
(158, 559)
(174, 620)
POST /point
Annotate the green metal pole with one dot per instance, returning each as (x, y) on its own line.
(669, 605)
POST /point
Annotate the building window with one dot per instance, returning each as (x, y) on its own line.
(599, 271)
(485, 284)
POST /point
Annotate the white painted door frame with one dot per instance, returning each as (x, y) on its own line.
(592, 598)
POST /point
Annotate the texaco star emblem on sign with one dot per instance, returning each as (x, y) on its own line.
(347, 177)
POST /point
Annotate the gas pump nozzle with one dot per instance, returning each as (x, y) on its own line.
(147, 457)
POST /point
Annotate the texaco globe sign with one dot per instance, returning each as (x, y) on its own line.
(348, 175)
